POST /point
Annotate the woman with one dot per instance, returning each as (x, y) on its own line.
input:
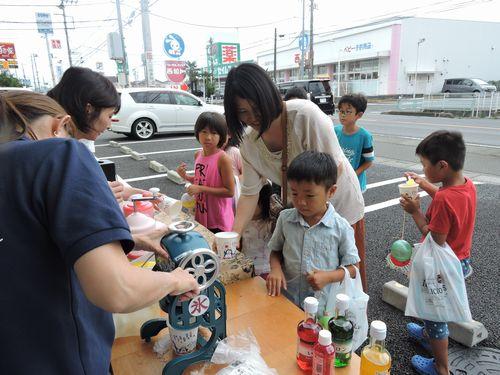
(253, 109)
(67, 238)
(91, 99)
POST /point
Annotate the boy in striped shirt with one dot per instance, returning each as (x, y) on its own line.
(356, 142)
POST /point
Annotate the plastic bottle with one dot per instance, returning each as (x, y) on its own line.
(342, 331)
(307, 332)
(188, 202)
(375, 359)
(324, 355)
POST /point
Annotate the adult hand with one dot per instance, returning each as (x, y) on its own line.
(182, 170)
(151, 242)
(185, 284)
(318, 279)
(275, 281)
(410, 205)
(117, 189)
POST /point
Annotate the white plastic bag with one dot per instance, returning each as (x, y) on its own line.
(357, 306)
(437, 287)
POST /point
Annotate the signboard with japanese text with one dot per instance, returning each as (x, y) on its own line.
(222, 57)
(357, 47)
(56, 43)
(7, 51)
(173, 45)
(44, 23)
(176, 70)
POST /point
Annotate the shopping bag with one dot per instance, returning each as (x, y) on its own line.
(437, 286)
(357, 312)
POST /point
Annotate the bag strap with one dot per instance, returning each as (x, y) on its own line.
(284, 155)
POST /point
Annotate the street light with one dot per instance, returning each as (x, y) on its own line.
(275, 50)
(420, 41)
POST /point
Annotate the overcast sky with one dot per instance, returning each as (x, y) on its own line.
(251, 23)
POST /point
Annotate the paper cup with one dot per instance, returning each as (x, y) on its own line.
(226, 244)
(171, 206)
(408, 190)
(183, 340)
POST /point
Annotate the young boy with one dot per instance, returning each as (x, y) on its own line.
(356, 142)
(311, 241)
(450, 218)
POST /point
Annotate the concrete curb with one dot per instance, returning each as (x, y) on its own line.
(157, 167)
(468, 334)
(114, 144)
(126, 150)
(136, 156)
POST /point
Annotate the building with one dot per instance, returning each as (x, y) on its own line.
(385, 57)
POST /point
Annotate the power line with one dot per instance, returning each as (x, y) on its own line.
(83, 21)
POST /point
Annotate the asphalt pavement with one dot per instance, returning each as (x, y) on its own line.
(383, 226)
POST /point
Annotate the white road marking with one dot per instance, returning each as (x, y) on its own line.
(387, 182)
(152, 153)
(148, 141)
(153, 177)
(419, 139)
(431, 124)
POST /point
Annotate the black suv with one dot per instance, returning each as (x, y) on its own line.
(318, 90)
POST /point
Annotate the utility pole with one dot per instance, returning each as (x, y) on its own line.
(420, 41)
(49, 55)
(120, 28)
(301, 69)
(148, 49)
(275, 41)
(33, 72)
(311, 48)
(62, 6)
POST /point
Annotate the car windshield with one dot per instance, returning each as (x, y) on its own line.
(480, 82)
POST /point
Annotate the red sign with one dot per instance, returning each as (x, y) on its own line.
(176, 70)
(7, 51)
(56, 44)
(229, 54)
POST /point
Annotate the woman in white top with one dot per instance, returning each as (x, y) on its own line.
(253, 109)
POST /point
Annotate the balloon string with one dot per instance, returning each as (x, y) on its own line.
(403, 231)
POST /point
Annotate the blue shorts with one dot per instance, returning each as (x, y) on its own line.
(439, 330)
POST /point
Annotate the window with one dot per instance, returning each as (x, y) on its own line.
(183, 99)
(158, 97)
(140, 96)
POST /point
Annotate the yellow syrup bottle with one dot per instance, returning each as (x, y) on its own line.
(375, 359)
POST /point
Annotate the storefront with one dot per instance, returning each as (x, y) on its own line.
(388, 57)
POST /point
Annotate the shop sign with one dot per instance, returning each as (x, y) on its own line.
(176, 70)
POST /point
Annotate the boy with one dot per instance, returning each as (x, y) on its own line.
(356, 142)
(311, 241)
(450, 218)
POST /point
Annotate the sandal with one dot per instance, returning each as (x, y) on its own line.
(417, 334)
(424, 366)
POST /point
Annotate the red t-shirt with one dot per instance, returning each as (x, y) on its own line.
(453, 212)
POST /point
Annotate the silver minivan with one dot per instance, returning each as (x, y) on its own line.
(474, 85)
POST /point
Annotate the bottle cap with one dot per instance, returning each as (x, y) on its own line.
(311, 305)
(325, 337)
(378, 330)
(135, 196)
(188, 184)
(154, 190)
(342, 301)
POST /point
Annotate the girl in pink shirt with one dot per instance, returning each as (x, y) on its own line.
(213, 181)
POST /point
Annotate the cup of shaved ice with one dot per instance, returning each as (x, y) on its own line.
(409, 188)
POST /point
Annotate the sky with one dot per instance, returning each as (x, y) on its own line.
(250, 23)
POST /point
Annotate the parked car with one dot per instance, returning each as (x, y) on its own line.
(147, 111)
(318, 91)
(474, 85)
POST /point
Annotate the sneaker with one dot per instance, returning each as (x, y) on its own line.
(424, 366)
(416, 333)
(469, 271)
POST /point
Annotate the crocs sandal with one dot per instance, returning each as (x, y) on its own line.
(424, 366)
(416, 333)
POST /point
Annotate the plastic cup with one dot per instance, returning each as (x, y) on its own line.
(226, 244)
(410, 191)
(183, 340)
(172, 207)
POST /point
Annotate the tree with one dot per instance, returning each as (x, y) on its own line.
(209, 83)
(6, 80)
(193, 73)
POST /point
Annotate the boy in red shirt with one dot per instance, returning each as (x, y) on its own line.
(450, 218)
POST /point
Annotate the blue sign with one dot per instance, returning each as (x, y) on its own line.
(173, 45)
(44, 23)
(303, 41)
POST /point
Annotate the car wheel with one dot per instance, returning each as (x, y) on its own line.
(143, 128)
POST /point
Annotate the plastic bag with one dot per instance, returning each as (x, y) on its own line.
(437, 286)
(357, 312)
(242, 353)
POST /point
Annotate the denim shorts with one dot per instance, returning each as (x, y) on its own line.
(439, 330)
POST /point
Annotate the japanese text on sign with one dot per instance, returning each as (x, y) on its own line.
(7, 51)
(229, 54)
(358, 47)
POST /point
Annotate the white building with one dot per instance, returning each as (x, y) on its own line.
(382, 58)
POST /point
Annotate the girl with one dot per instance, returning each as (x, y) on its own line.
(213, 181)
(258, 233)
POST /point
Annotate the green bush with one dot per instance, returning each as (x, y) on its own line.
(6, 80)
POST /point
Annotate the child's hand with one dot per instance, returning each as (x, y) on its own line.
(194, 189)
(318, 279)
(410, 205)
(418, 180)
(275, 281)
(181, 169)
